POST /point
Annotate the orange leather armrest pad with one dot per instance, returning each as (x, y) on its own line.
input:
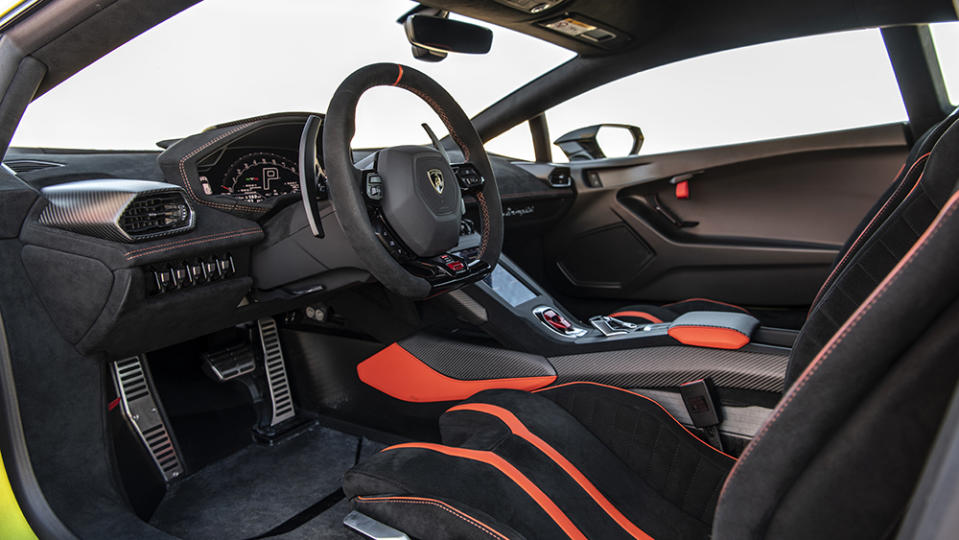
(713, 329)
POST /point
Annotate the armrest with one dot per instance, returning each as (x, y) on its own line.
(713, 329)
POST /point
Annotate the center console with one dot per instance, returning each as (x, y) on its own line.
(517, 311)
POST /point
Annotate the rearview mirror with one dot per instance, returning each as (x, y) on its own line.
(601, 141)
(433, 37)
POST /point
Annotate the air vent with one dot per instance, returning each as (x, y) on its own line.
(117, 209)
(155, 213)
(560, 177)
(28, 165)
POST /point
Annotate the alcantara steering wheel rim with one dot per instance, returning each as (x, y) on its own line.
(350, 200)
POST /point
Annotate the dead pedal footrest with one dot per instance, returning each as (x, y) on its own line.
(139, 407)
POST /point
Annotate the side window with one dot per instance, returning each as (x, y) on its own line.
(779, 89)
(945, 36)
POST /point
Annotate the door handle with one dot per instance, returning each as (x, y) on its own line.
(671, 216)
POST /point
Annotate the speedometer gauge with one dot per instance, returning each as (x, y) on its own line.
(261, 175)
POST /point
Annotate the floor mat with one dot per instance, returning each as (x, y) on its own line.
(259, 488)
(329, 524)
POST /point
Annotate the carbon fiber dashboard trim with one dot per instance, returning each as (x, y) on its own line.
(470, 362)
(95, 207)
(668, 367)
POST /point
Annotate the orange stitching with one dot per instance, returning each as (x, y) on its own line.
(647, 398)
(441, 505)
(486, 223)
(173, 242)
(846, 328)
(442, 114)
(830, 279)
(189, 187)
(194, 242)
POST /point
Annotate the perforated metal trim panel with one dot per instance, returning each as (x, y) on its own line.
(668, 367)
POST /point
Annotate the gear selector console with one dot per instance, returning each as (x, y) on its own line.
(555, 321)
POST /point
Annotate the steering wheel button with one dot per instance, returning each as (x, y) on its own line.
(374, 187)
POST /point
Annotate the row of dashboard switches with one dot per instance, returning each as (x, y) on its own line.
(190, 273)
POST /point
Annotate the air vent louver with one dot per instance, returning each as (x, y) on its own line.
(117, 209)
(28, 165)
(560, 177)
(154, 213)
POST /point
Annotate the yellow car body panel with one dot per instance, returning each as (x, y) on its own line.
(13, 526)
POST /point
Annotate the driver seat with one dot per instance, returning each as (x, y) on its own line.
(839, 456)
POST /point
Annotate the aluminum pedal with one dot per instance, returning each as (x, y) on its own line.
(281, 395)
(132, 380)
(370, 528)
(229, 363)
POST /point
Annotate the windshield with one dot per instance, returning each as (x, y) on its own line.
(223, 60)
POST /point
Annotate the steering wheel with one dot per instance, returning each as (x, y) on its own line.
(402, 214)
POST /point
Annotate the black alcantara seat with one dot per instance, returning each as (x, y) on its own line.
(868, 383)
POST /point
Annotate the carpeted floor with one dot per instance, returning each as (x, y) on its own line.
(259, 489)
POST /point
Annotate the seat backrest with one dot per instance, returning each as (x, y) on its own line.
(841, 454)
(879, 242)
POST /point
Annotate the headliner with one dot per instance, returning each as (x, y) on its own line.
(68, 35)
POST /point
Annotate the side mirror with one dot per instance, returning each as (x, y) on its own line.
(601, 141)
(433, 37)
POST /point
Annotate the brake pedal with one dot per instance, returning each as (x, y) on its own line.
(132, 380)
(229, 363)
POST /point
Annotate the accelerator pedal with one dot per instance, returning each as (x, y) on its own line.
(139, 407)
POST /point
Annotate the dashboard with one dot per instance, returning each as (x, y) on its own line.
(249, 254)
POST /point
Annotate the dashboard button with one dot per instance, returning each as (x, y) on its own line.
(180, 276)
(196, 273)
(211, 269)
(225, 265)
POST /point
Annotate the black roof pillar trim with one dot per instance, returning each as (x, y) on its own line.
(914, 59)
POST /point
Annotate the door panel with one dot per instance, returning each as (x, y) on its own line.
(762, 224)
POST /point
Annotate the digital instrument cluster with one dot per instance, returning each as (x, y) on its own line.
(252, 176)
